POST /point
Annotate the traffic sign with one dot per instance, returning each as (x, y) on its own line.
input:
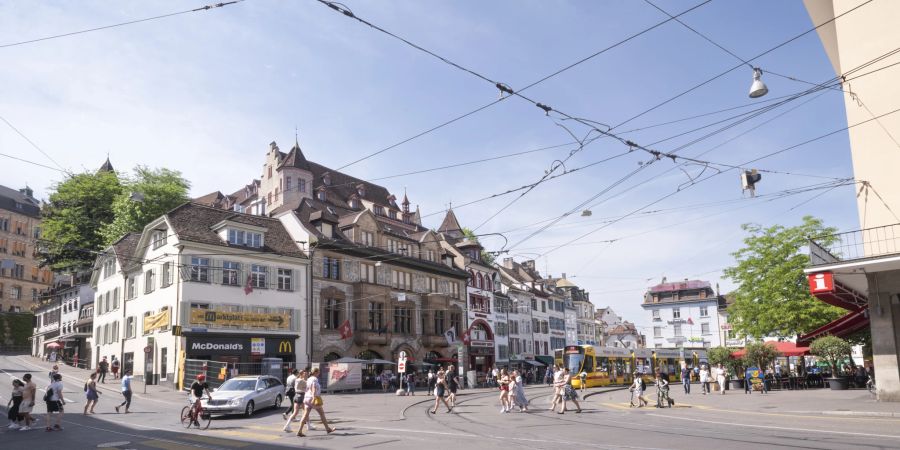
(401, 368)
(148, 349)
(403, 356)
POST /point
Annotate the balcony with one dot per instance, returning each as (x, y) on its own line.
(859, 245)
(370, 338)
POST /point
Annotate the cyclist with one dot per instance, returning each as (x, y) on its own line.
(197, 388)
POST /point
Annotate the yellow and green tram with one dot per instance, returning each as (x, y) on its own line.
(610, 365)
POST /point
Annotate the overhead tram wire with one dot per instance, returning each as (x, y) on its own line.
(704, 83)
(130, 22)
(347, 12)
(61, 168)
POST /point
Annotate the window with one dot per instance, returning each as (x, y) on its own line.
(321, 195)
(200, 269)
(401, 280)
(287, 184)
(245, 238)
(676, 313)
(331, 268)
(158, 238)
(677, 328)
(402, 320)
(149, 282)
(231, 273)
(258, 276)
(379, 210)
(129, 288)
(270, 171)
(656, 314)
(488, 285)
(704, 328)
(332, 314)
(455, 322)
(115, 298)
(657, 331)
(455, 290)
(301, 185)
(285, 280)
(163, 362)
(432, 284)
(167, 274)
(130, 327)
(439, 322)
(367, 273)
(19, 271)
(543, 306)
(704, 312)
(146, 314)
(367, 238)
(15, 293)
(376, 316)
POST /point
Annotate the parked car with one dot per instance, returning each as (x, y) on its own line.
(245, 394)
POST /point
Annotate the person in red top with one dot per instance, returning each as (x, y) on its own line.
(198, 387)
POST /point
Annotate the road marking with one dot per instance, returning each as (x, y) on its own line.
(402, 430)
(216, 441)
(770, 427)
(167, 445)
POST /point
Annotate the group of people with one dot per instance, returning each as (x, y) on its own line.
(639, 387)
(512, 391)
(305, 394)
(563, 392)
(444, 384)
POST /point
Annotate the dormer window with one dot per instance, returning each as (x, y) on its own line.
(321, 195)
(379, 210)
(393, 214)
(245, 238)
(326, 179)
(354, 203)
(361, 190)
(158, 238)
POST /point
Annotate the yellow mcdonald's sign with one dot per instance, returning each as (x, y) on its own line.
(157, 321)
(285, 347)
(213, 319)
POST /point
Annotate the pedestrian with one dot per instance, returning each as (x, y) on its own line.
(568, 392)
(518, 392)
(299, 395)
(52, 357)
(385, 381)
(720, 378)
(452, 385)
(91, 394)
(548, 376)
(704, 379)
(662, 392)
(114, 366)
(29, 394)
(411, 383)
(582, 377)
(15, 403)
(494, 377)
(430, 382)
(289, 392)
(102, 368)
(686, 379)
(312, 399)
(53, 372)
(440, 387)
(503, 382)
(126, 391)
(55, 402)
(748, 383)
(557, 387)
(637, 389)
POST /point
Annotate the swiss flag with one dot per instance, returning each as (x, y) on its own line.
(248, 288)
(345, 330)
(690, 321)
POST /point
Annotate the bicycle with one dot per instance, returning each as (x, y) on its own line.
(203, 417)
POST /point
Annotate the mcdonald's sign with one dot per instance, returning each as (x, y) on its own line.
(285, 346)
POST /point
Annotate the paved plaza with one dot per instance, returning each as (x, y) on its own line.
(782, 419)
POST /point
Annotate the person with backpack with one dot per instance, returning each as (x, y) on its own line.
(55, 403)
(290, 392)
(637, 389)
(91, 394)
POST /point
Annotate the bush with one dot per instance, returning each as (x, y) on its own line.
(832, 349)
(722, 355)
(760, 354)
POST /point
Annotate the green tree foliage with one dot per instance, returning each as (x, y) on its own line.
(71, 221)
(488, 258)
(773, 295)
(146, 195)
(722, 355)
(760, 354)
(832, 349)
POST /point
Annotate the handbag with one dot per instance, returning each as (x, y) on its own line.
(48, 396)
(317, 401)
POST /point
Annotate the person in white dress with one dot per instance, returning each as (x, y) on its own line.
(720, 378)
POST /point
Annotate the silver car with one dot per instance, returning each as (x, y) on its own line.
(245, 394)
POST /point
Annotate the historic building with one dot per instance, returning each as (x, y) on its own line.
(69, 306)
(201, 283)
(684, 314)
(21, 278)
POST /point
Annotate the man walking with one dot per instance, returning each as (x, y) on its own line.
(55, 402)
(103, 367)
(28, 396)
(686, 379)
(115, 367)
(126, 392)
(290, 392)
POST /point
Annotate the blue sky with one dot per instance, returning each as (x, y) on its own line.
(204, 93)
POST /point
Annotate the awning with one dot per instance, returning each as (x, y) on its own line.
(785, 348)
(826, 287)
(380, 361)
(547, 360)
(347, 360)
(842, 327)
(534, 363)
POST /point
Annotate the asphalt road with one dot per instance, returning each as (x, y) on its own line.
(732, 421)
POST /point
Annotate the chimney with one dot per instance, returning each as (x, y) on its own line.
(564, 275)
(663, 280)
(508, 263)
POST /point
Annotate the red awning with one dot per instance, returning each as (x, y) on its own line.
(827, 288)
(785, 348)
(842, 327)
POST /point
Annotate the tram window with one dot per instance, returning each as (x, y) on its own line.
(588, 364)
(603, 365)
(620, 365)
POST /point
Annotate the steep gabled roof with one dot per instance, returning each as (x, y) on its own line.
(295, 158)
(106, 167)
(450, 223)
(125, 248)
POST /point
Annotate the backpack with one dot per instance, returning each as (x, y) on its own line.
(48, 395)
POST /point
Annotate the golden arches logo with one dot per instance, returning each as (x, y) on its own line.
(285, 347)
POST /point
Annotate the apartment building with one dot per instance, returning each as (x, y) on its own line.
(22, 280)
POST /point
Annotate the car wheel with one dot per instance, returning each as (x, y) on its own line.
(278, 401)
(249, 410)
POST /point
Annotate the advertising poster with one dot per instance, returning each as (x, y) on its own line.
(344, 376)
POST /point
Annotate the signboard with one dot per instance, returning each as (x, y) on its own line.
(695, 339)
(820, 283)
(280, 346)
(148, 349)
(754, 375)
(218, 345)
(157, 321)
(401, 366)
(257, 346)
(227, 318)
(344, 376)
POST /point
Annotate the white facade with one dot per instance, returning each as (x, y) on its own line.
(571, 317)
(170, 279)
(689, 324)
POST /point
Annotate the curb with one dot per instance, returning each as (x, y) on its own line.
(861, 413)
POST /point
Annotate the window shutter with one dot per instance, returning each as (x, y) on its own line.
(215, 271)
(271, 277)
(184, 268)
(294, 278)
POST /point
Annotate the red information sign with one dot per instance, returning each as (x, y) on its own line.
(821, 282)
(401, 367)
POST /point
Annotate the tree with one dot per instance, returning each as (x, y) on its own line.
(773, 296)
(760, 354)
(722, 355)
(486, 257)
(832, 349)
(71, 221)
(146, 195)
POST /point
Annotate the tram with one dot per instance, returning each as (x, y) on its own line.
(606, 366)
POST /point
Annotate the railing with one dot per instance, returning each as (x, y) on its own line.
(855, 245)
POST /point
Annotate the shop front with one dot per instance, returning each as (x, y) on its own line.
(240, 348)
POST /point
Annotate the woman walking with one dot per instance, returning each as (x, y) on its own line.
(312, 399)
(15, 403)
(91, 394)
(704, 379)
(569, 393)
(126, 392)
(452, 385)
(440, 386)
(503, 382)
(518, 392)
(662, 392)
(637, 389)
(720, 378)
(299, 387)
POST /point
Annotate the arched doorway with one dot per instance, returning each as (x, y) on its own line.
(372, 373)
(481, 348)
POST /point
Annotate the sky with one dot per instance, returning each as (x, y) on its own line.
(205, 93)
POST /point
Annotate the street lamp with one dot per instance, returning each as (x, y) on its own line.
(758, 88)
